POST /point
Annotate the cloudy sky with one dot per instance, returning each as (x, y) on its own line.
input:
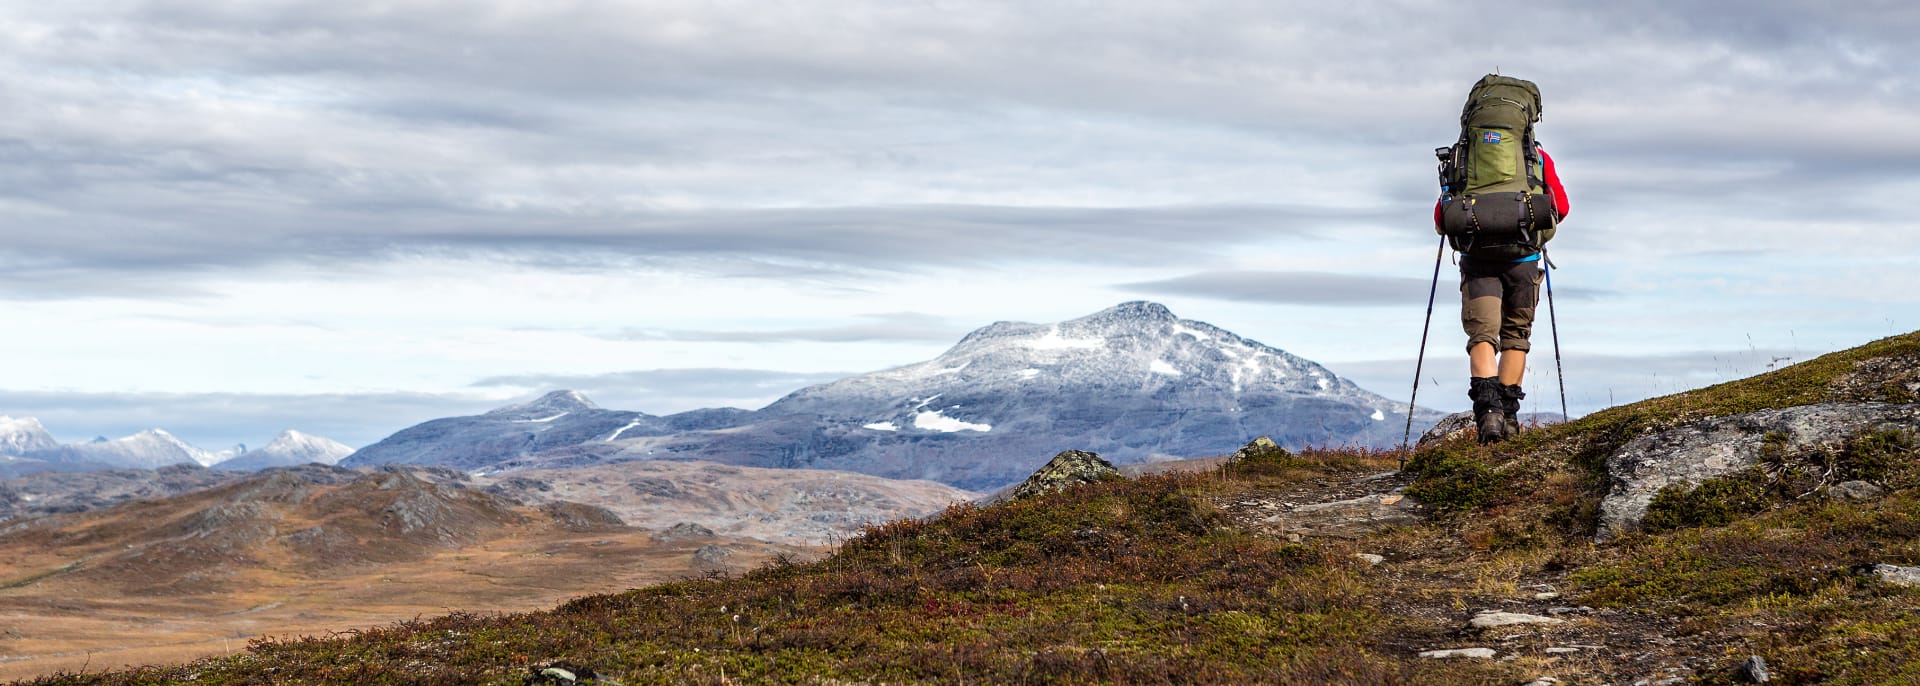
(232, 218)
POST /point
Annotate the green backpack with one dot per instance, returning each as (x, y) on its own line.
(1494, 204)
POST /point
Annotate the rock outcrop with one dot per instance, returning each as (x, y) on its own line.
(1692, 454)
(1452, 426)
(1257, 449)
(1066, 470)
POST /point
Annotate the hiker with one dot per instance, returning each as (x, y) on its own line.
(1497, 186)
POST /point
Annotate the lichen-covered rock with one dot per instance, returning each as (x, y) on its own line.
(1692, 454)
(1895, 574)
(1856, 490)
(1452, 426)
(1066, 470)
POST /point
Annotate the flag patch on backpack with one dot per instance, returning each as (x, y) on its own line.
(1492, 137)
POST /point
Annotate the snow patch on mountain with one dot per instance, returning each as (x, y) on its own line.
(1054, 341)
(934, 421)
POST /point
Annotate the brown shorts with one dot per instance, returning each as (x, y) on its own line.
(1497, 301)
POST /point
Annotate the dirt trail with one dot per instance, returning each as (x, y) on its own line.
(1434, 584)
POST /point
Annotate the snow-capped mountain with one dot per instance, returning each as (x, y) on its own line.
(24, 435)
(1133, 383)
(1136, 349)
(288, 449)
(26, 447)
(145, 450)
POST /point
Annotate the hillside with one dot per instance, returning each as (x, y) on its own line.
(1787, 556)
(171, 576)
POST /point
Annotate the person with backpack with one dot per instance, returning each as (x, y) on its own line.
(1500, 202)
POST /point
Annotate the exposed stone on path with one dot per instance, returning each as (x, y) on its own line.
(1371, 558)
(1353, 518)
(1490, 620)
(1475, 653)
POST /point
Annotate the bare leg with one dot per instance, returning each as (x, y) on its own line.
(1480, 360)
(1513, 365)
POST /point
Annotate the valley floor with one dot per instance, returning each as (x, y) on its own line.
(51, 624)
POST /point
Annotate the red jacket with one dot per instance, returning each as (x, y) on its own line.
(1560, 203)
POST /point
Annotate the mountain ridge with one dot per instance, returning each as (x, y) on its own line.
(26, 447)
(1133, 381)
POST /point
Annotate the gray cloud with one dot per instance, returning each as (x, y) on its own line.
(664, 391)
(898, 326)
(765, 243)
(1312, 288)
(189, 137)
(220, 420)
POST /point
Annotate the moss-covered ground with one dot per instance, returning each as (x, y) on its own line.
(1152, 581)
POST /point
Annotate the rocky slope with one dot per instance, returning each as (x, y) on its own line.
(1133, 382)
(792, 506)
(54, 492)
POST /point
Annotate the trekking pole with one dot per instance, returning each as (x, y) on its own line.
(1421, 360)
(1554, 323)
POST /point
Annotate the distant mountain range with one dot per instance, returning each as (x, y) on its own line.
(1133, 383)
(26, 446)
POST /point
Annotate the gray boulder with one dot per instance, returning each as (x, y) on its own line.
(1066, 470)
(1452, 426)
(1259, 447)
(1716, 447)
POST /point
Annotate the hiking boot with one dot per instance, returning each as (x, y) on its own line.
(1489, 410)
(1510, 397)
